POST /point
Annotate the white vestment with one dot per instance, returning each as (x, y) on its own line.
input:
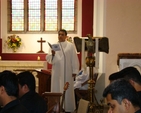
(82, 77)
(64, 64)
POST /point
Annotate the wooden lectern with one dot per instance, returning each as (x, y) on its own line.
(52, 99)
(44, 77)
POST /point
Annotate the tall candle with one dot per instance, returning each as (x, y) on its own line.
(97, 53)
(83, 53)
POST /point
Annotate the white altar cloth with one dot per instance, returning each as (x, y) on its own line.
(12, 65)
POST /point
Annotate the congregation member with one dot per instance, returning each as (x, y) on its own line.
(81, 83)
(27, 94)
(9, 93)
(81, 78)
(121, 74)
(122, 97)
(65, 66)
(132, 75)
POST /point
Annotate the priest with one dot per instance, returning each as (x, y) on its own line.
(65, 66)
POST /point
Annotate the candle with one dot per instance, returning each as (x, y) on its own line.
(38, 58)
(0, 57)
(97, 52)
(83, 53)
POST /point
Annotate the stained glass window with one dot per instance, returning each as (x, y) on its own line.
(41, 15)
(51, 15)
(68, 14)
(17, 15)
(34, 15)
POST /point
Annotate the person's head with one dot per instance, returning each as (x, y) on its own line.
(26, 82)
(8, 87)
(121, 97)
(115, 76)
(133, 76)
(62, 35)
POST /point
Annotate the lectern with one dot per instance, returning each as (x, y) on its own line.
(44, 77)
(52, 98)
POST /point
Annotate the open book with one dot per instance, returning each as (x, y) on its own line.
(54, 47)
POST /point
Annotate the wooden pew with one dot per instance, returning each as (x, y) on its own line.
(53, 101)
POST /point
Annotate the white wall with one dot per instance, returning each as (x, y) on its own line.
(30, 44)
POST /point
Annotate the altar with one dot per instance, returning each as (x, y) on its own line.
(23, 65)
(12, 65)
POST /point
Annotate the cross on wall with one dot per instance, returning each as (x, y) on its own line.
(41, 41)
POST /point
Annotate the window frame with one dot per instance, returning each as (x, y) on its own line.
(42, 25)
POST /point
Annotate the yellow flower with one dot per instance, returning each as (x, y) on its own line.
(13, 45)
(13, 42)
(17, 39)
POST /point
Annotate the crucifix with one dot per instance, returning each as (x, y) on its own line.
(41, 42)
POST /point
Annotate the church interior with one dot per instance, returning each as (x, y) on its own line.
(118, 20)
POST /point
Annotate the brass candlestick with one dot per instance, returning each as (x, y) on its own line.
(90, 62)
(94, 106)
(92, 47)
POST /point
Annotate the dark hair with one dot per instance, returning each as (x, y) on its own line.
(63, 30)
(127, 73)
(122, 89)
(131, 73)
(27, 78)
(115, 76)
(9, 80)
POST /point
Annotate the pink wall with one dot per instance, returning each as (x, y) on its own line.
(123, 28)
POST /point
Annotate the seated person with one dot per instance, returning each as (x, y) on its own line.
(27, 94)
(81, 79)
(81, 85)
(9, 93)
(125, 71)
(122, 97)
(132, 75)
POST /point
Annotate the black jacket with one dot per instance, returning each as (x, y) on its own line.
(34, 102)
(14, 107)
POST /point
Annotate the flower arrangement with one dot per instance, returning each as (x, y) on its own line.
(13, 42)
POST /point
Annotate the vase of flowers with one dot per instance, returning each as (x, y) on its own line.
(13, 42)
